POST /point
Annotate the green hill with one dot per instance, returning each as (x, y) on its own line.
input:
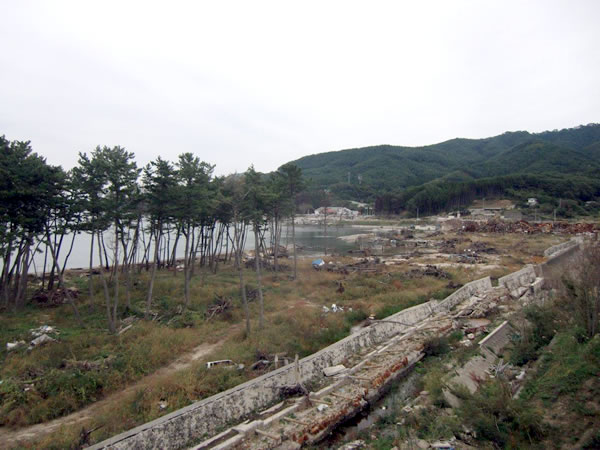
(405, 172)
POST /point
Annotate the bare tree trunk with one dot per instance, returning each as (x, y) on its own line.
(44, 269)
(111, 324)
(115, 304)
(294, 246)
(275, 243)
(90, 276)
(22, 282)
(61, 282)
(157, 237)
(261, 317)
(68, 253)
(186, 268)
(238, 261)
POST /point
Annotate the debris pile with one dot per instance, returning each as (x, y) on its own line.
(522, 226)
(429, 271)
(219, 306)
(365, 265)
(53, 298)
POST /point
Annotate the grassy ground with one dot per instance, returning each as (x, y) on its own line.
(47, 382)
(53, 381)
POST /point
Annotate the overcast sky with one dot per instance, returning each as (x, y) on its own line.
(268, 82)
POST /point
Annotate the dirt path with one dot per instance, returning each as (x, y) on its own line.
(39, 430)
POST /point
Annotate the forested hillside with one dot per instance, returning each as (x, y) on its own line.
(552, 165)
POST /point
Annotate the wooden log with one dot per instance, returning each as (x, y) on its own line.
(359, 378)
(299, 422)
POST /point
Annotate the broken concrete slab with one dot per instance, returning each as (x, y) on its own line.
(334, 370)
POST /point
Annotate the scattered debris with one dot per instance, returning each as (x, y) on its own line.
(44, 329)
(10, 346)
(428, 271)
(322, 407)
(98, 364)
(41, 340)
(227, 363)
(365, 265)
(124, 329)
(162, 405)
(261, 364)
(318, 264)
(354, 445)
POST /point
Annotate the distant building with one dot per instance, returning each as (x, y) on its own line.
(336, 211)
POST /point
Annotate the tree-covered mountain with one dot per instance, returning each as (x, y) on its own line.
(405, 172)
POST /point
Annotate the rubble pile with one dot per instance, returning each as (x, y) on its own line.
(53, 298)
(479, 306)
(428, 271)
(522, 226)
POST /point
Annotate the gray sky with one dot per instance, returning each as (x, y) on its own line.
(268, 82)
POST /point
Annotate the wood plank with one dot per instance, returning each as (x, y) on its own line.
(267, 434)
(341, 396)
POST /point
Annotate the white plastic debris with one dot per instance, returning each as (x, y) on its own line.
(14, 345)
(325, 309)
(322, 407)
(44, 329)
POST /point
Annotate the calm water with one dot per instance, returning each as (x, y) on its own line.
(311, 239)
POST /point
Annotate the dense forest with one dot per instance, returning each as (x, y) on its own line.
(559, 167)
(137, 218)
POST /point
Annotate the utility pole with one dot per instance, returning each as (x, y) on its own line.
(348, 177)
(417, 213)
